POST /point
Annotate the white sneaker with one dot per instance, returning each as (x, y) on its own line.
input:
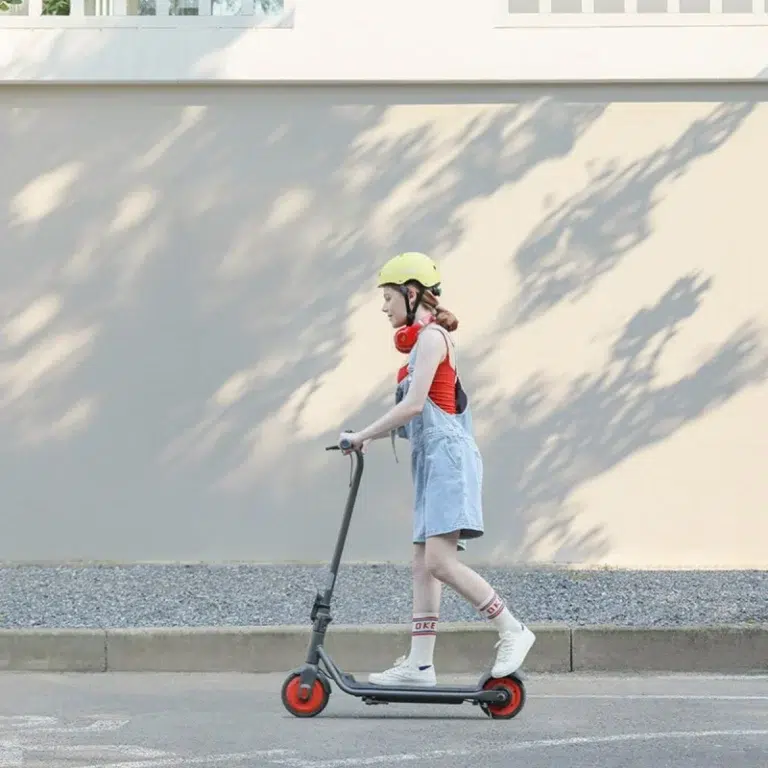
(513, 648)
(405, 673)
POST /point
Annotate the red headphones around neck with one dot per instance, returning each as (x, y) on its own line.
(406, 337)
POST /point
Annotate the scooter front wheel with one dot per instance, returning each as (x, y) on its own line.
(314, 705)
(516, 691)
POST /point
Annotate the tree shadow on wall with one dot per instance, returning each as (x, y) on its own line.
(545, 444)
(544, 447)
(589, 234)
(491, 152)
(177, 283)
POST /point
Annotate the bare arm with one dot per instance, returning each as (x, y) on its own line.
(431, 352)
(380, 435)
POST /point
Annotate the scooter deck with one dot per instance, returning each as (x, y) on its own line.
(434, 694)
(360, 686)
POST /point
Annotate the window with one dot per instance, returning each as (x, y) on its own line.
(153, 13)
(605, 13)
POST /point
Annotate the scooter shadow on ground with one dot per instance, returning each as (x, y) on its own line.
(307, 689)
(399, 716)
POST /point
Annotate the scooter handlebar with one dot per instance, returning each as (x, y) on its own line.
(344, 445)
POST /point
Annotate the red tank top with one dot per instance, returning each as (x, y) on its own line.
(443, 389)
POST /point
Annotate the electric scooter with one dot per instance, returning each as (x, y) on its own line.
(307, 689)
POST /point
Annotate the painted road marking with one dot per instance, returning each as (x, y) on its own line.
(23, 734)
(128, 756)
(513, 746)
(42, 724)
(171, 759)
(20, 753)
(11, 754)
(635, 696)
(25, 744)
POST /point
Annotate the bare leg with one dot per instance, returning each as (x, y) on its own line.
(418, 667)
(443, 563)
(427, 591)
(515, 640)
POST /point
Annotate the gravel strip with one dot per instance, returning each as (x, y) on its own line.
(217, 595)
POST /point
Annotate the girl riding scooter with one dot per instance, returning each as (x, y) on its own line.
(432, 412)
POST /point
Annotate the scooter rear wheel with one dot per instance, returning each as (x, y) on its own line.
(516, 690)
(314, 705)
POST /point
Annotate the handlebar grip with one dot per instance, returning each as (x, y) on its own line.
(344, 445)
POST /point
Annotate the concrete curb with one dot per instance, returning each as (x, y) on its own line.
(53, 650)
(461, 648)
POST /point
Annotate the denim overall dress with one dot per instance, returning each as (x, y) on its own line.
(446, 465)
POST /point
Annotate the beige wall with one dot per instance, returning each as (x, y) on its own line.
(188, 316)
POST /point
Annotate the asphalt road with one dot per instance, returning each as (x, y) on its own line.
(237, 721)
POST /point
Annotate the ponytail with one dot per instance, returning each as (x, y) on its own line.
(446, 318)
(443, 317)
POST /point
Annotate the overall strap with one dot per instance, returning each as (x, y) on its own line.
(462, 401)
(451, 347)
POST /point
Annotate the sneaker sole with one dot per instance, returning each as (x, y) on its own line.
(417, 683)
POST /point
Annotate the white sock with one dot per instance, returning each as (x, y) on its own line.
(495, 610)
(423, 636)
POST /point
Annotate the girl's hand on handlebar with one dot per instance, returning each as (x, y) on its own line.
(353, 438)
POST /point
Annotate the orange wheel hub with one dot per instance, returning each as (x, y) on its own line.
(318, 697)
(516, 697)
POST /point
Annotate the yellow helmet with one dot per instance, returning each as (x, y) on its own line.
(410, 266)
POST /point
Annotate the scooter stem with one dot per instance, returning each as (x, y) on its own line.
(345, 522)
(321, 609)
